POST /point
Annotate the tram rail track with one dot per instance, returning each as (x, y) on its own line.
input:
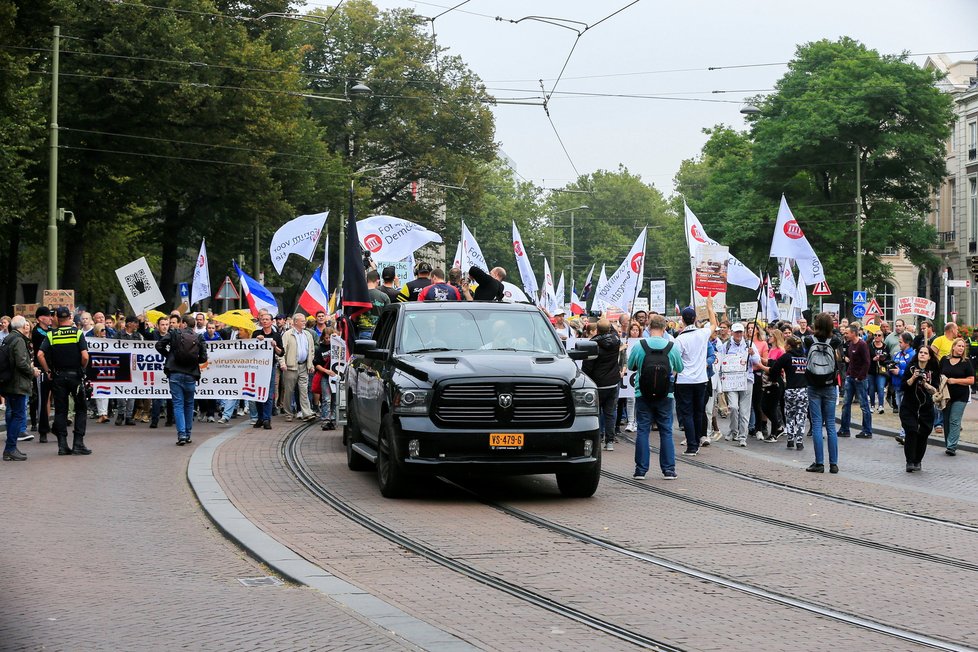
(851, 502)
(309, 481)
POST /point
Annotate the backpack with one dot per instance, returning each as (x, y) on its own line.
(656, 377)
(6, 364)
(185, 348)
(820, 366)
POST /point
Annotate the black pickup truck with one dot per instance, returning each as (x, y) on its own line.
(463, 388)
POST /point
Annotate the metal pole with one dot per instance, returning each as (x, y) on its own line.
(572, 252)
(859, 226)
(53, 167)
(256, 257)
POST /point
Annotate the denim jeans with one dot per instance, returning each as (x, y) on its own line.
(877, 389)
(158, 409)
(263, 411)
(607, 405)
(952, 423)
(16, 418)
(228, 406)
(645, 411)
(182, 388)
(856, 388)
(690, 408)
(821, 410)
(327, 401)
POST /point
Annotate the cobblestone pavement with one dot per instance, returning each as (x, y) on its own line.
(112, 552)
(670, 607)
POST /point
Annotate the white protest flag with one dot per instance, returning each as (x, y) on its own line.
(457, 261)
(597, 305)
(559, 292)
(201, 287)
(471, 253)
(512, 294)
(786, 286)
(298, 236)
(391, 238)
(548, 296)
(523, 264)
(139, 286)
(737, 273)
(790, 242)
(769, 302)
(622, 285)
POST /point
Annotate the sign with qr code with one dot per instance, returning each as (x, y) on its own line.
(139, 286)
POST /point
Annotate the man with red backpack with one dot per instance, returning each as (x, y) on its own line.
(656, 362)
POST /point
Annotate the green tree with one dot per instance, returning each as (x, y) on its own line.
(838, 101)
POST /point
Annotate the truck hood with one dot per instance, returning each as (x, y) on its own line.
(484, 365)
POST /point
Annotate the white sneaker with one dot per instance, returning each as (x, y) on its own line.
(610, 446)
(759, 435)
(704, 441)
(638, 476)
(880, 410)
(222, 420)
(630, 427)
(211, 419)
(729, 436)
(743, 443)
(241, 412)
(717, 435)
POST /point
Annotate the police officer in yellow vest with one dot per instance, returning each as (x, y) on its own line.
(63, 357)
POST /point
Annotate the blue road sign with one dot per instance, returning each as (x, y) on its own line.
(859, 310)
(859, 296)
(184, 290)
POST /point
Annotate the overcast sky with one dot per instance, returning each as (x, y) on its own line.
(660, 48)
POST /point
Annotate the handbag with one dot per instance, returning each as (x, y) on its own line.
(943, 396)
(317, 382)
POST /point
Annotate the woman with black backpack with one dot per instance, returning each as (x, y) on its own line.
(820, 373)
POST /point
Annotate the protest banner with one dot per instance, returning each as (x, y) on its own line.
(710, 278)
(657, 295)
(626, 386)
(748, 309)
(832, 309)
(59, 298)
(338, 360)
(916, 306)
(134, 369)
(402, 268)
(139, 286)
(26, 309)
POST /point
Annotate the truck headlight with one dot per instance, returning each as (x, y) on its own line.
(586, 401)
(412, 401)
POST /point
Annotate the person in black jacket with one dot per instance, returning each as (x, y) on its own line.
(921, 379)
(605, 371)
(490, 285)
(791, 367)
(183, 374)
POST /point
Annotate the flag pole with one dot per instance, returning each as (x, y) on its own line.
(754, 324)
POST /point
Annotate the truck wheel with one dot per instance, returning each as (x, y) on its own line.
(390, 475)
(351, 434)
(579, 485)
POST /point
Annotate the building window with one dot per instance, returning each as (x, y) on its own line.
(951, 199)
(922, 283)
(889, 251)
(887, 301)
(972, 141)
(973, 205)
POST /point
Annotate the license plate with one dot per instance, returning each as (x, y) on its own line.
(503, 440)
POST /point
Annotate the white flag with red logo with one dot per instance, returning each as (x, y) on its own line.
(598, 305)
(790, 242)
(391, 238)
(471, 254)
(457, 261)
(737, 273)
(298, 236)
(548, 296)
(769, 303)
(201, 286)
(560, 291)
(786, 285)
(622, 286)
(523, 264)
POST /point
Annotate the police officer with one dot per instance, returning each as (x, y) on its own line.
(63, 357)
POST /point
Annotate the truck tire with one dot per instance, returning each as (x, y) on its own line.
(579, 485)
(391, 476)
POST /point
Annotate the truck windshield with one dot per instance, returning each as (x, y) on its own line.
(475, 330)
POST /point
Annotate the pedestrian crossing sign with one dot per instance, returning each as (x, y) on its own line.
(859, 296)
(873, 309)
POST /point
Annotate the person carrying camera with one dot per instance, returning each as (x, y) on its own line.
(63, 357)
(920, 381)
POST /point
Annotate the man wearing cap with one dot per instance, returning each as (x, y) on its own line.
(411, 289)
(63, 357)
(389, 279)
(41, 396)
(739, 359)
(561, 326)
(692, 380)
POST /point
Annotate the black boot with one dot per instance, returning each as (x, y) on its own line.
(258, 424)
(43, 439)
(63, 445)
(79, 448)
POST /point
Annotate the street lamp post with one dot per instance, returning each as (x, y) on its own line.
(53, 166)
(553, 240)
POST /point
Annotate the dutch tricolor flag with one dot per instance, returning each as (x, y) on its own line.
(256, 295)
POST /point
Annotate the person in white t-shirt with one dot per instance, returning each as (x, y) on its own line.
(692, 380)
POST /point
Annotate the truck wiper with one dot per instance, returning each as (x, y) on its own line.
(431, 350)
